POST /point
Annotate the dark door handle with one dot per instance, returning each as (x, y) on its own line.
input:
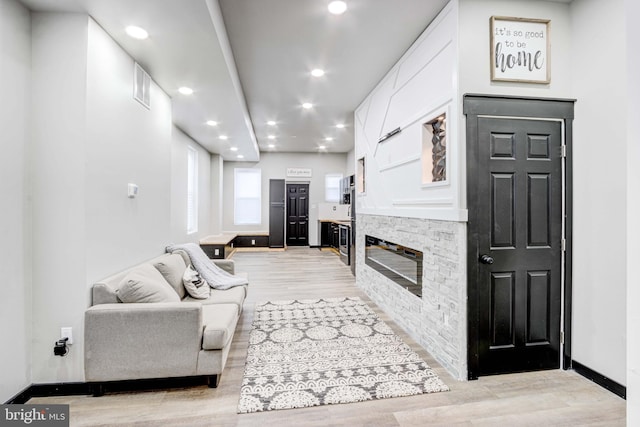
(486, 259)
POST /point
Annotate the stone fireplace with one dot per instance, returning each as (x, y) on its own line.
(436, 319)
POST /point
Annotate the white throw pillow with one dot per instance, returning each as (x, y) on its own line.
(146, 284)
(195, 285)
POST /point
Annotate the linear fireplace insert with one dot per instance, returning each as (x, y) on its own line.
(399, 263)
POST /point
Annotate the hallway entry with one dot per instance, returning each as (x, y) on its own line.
(516, 239)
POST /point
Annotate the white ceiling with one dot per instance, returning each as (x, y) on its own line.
(249, 62)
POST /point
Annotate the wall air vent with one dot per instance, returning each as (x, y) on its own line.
(141, 86)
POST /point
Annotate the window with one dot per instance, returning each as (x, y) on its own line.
(332, 187)
(247, 197)
(192, 190)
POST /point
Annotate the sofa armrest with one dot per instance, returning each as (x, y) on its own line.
(134, 341)
(226, 264)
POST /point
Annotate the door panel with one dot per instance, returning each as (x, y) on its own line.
(502, 211)
(539, 204)
(297, 214)
(519, 231)
(502, 316)
(539, 287)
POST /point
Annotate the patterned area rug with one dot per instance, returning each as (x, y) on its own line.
(319, 352)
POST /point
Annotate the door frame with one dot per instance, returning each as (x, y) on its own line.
(499, 106)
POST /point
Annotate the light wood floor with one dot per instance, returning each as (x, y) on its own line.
(549, 398)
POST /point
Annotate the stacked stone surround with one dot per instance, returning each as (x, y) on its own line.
(438, 320)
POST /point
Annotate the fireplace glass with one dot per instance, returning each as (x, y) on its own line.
(399, 263)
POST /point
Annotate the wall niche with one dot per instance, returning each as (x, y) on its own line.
(434, 150)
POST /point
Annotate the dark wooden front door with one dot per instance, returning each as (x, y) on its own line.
(297, 214)
(519, 241)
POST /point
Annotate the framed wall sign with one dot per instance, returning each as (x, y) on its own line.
(520, 50)
(298, 173)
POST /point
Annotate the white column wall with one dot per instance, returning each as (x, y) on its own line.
(599, 187)
(217, 190)
(632, 13)
(15, 222)
(58, 123)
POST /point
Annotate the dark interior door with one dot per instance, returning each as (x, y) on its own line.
(519, 243)
(297, 214)
(276, 213)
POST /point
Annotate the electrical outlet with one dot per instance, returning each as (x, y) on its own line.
(253, 242)
(216, 252)
(67, 333)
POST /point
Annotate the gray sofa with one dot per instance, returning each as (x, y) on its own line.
(143, 340)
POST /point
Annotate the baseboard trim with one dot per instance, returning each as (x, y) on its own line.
(45, 390)
(83, 388)
(20, 398)
(600, 379)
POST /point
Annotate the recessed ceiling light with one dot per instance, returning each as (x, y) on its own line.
(136, 32)
(271, 123)
(340, 126)
(337, 7)
(321, 147)
(233, 148)
(240, 156)
(307, 105)
(223, 137)
(212, 123)
(271, 146)
(328, 138)
(317, 72)
(271, 137)
(185, 90)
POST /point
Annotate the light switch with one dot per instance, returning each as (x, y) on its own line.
(132, 190)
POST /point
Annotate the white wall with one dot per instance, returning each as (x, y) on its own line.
(125, 143)
(274, 166)
(179, 234)
(475, 72)
(90, 139)
(420, 87)
(58, 124)
(15, 304)
(599, 189)
(632, 13)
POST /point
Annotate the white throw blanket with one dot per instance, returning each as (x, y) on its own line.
(214, 275)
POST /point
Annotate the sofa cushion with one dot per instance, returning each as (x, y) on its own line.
(195, 285)
(219, 322)
(172, 268)
(146, 284)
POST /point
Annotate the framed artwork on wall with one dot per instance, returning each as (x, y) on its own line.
(520, 50)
